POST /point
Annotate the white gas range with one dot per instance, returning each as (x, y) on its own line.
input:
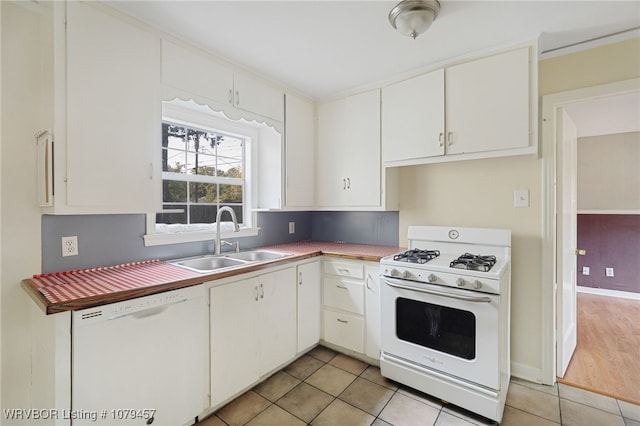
(445, 307)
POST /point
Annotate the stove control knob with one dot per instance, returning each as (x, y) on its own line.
(477, 285)
(460, 282)
(395, 273)
(406, 275)
(432, 278)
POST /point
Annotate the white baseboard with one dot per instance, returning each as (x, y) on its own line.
(526, 372)
(609, 293)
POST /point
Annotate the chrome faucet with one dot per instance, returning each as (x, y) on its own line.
(235, 225)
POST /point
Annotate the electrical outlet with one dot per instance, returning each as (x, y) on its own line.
(292, 227)
(585, 270)
(521, 198)
(608, 272)
(70, 246)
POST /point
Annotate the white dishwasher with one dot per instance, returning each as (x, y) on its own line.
(141, 361)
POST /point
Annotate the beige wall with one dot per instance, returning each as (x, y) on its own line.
(480, 193)
(609, 172)
(22, 107)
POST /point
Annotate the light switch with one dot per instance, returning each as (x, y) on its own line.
(521, 198)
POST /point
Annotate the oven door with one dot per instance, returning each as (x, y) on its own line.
(452, 331)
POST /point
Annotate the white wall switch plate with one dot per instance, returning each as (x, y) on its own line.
(292, 227)
(585, 270)
(521, 198)
(608, 272)
(69, 246)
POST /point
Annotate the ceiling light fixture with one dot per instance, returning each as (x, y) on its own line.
(413, 17)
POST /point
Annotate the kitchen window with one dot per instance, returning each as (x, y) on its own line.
(206, 165)
(202, 170)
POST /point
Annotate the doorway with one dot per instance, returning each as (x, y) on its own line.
(559, 306)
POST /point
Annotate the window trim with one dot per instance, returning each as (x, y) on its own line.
(189, 113)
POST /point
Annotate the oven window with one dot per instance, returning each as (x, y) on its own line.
(448, 330)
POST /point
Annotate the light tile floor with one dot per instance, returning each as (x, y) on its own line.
(324, 387)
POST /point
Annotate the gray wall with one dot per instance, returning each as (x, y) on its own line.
(105, 240)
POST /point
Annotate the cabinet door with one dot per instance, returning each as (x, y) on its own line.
(254, 96)
(299, 148)
(362, 149)
(343, 294)
(348, 166)
(330, 166)
(309, 305)
(276, 320)
(413, 118)
(488, 104)
(343, 329)
(372, 312)
(194, 72)
(234, 338)
(113, 119)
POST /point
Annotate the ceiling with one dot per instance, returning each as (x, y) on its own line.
(325, 48)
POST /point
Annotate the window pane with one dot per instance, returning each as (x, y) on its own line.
(230, 151)
(202, 192)
(173, 217)
(173, 161)
(202, 213)
(174, 191)
(230, 194)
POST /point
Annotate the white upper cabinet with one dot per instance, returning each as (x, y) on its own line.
(199, 74)
(348, 164)
(299, 152)
(477, 109)
(413, 118)
(106, 113)
(193, 72)
(488, 104)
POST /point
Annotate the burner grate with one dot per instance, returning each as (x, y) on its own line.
(417, 256)
(474, 262)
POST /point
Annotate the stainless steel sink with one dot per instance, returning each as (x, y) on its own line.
(208, 263)
(257, 255)
(211, 263)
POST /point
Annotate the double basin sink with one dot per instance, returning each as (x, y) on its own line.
(212, 263)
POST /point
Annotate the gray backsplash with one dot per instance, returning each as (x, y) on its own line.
(105, 240)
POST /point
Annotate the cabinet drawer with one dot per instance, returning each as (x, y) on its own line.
(344, 330)
(344, 269)
(343, 295)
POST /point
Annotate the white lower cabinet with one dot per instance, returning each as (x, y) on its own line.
(309, 304)
(372, 310)
(252, 330)
(350, 305)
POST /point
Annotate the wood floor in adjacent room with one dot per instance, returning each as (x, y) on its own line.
(607, 354)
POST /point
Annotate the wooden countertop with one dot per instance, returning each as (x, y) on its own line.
(81, 289)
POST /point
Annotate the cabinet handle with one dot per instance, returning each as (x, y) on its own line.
(343, 321)
(342, 287)
(237, 98)
(344, 183)
(441, 138)
(299, 278)
(348, 183)
(344, 271)
(150, 171)
(261, 291)
(257, 293)
(366, 281)
(449, 138)
(230, 96)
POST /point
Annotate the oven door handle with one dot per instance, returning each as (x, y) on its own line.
(483, 299)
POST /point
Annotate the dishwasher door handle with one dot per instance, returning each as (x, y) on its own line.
(155, 310)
